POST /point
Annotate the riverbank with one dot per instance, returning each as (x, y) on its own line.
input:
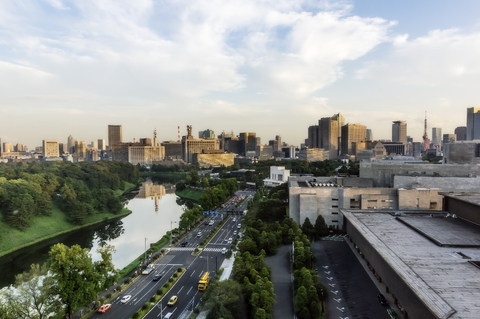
(190, 194)
(46, 227)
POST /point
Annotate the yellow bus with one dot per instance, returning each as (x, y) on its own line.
(203, 282)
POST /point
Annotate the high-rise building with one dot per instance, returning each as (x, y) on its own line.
(51, 148)
(461, 133)
(80, 151)
(7, 148)
(369, 134)
(352, 133)
(449, 138)
(313, 137)
(437, 137)
(473, 123)
(114, 135)
(94, 145)
(278, 139)
(71, 144)
(399, 132)
(222, 138)
(330, 134)
(101, 144)
(248, 142)
(191, 146)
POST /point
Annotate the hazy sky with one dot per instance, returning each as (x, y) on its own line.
(271, 67)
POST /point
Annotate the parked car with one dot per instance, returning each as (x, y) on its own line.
(392, 313)
(157, 277)
(125, 298)
(382, 299)
(104, 308)
(172, 301)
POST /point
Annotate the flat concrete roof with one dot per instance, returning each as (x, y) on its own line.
(442, 277)
(472, 198)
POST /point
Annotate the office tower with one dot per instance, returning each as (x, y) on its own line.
(278, 140)
(70, 144)
(19, 148)
(191, 146)
(222, 138)
(61, 148)
(51, 148)
(313, 137)
(449, 138)
(206, 134)
(247, 142)
(7, 148)
(330, 134)
(399, 132)
(101, 144)
(369, 134)
(94, 145)
(80, 150)
(172, 149)
(461, 133)
(114, 135)
(352, 133)
(437, 137)
(473, 123)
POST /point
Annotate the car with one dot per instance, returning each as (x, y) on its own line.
(239, 226)
(125, 298)
(235, 233)
(168, 315)
(156, 277)
(184, 244)
(234, 219)
(199, 234)
(224, 251)
(104, 308)
(392, 313)
(382, 299)
(172, 301)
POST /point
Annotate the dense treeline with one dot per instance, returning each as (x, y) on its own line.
(218, 193)
(81, 189)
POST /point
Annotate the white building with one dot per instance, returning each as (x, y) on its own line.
(51, 148)
(278, 175)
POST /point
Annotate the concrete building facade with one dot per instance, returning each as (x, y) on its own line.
(463, 152)
(399, 132)
(278, 175)
(461, 133)
(51, 148)
(352, 133)
(437, 137)
(330, 134)
(191, 146)
(473, 123)
(208, 159)
(313, 154)
(114, 135)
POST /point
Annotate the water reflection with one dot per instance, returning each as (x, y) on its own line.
(155, 209)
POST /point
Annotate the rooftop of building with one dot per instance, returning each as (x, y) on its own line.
(434, 254)
(471, 198)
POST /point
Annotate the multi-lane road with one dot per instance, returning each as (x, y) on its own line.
(186, 288)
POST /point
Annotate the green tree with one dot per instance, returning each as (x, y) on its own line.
(321, 228)
(307, 227)
(32, 296)
(76, 277)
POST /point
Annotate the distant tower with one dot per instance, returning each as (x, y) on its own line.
(399, 132)
(70, 144)
(426, 142)
(155, 141)
(114, 135)
(178, 134)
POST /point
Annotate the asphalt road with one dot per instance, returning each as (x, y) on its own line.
(351, 292)
(186, 288)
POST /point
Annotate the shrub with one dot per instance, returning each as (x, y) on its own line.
(145, 306)
(228, 254)
(128, 280)
(159, 292)
(109, 295)
(118, 288)
(171, 279)
(152, 299)
(179, 269)
(136, 315)
(175, 275)
(162, 251)
(166, 285)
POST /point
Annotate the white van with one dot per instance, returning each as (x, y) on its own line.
(168, 316)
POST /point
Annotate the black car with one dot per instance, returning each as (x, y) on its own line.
(184, 244)
(382, 299)
(157, 277)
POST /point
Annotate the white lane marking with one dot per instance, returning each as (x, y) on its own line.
(189, 290)
(180, 290)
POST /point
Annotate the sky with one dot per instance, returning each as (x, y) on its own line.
(273, 67)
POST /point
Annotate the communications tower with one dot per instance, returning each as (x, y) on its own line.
(426, 142)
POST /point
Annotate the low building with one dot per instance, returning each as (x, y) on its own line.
(213, 158)
(278, 175)
(313, 154)
(428, 261)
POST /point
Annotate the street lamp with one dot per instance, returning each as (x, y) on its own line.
(145, 260)
(171, 231)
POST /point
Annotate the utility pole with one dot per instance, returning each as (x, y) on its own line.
(145, 260)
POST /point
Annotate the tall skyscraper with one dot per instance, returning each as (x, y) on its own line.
(248, 142)
(114, 135)
(330, 134)
(80, 150)
(399, 132)
(473, 123)
(7, 147)
(313, 137)
(437, 137)
(101, 144)
(71, 144)
(51, 148)
(352, 133)
(278, 140)
(461, 133)
(369, 135)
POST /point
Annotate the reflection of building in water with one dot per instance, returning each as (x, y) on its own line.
(169, 188)
(153, 191)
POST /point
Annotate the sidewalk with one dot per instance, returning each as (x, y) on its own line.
(282, 282)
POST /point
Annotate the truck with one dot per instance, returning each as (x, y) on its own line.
(203, 282)
(148, 270)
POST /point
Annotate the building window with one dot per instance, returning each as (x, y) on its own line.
(334, 221)
(334, 213)
(372, 200)
(334, 206)
(334, 199)
(433, 205)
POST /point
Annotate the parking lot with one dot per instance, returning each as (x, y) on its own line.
(351, 292)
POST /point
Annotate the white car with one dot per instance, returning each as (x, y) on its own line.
(224, 251)
(125, 299)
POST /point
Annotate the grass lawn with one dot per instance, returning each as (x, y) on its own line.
(188, 193)
(44, 227)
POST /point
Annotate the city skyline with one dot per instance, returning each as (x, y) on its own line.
(274, 68)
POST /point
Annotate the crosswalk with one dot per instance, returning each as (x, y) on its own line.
(217, 250)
